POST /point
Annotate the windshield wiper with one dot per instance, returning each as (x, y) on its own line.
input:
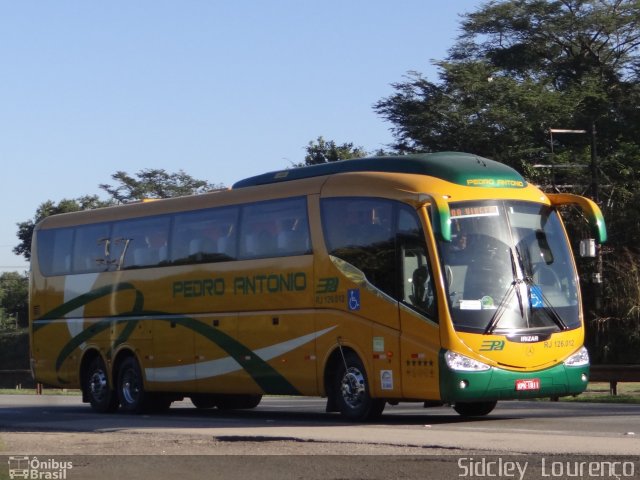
(495, 319)
(516, 280)
(547, 306)
(550, 310)
(515, 285)
(527, 280)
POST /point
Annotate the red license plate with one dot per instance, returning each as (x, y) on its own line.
(528, 384)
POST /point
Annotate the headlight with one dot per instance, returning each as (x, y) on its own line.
(578, 359)
(460, 363)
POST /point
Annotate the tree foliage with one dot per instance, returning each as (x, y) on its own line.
(324, 151)
(519, 68)
(14, 289)
(154, 183)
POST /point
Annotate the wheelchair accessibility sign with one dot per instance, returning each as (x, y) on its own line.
(353, 299)
(535, 297)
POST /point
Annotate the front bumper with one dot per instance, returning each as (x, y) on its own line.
(500, 384)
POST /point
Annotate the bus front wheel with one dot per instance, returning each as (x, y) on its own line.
(474, 409)
(101, 396)
(352, 391)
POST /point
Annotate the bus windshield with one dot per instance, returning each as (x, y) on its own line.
(509, 269)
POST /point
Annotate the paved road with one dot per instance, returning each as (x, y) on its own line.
(62, 425)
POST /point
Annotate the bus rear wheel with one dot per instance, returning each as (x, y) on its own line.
(474, 409)
(352, 391)
(131, 393)
(102, 398)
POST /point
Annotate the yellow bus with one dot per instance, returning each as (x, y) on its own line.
(442, 278)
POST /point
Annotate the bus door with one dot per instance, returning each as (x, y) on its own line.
(420, 338)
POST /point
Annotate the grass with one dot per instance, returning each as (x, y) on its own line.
(32, 391)
(598, 392)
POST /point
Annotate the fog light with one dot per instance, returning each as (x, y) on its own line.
(584, 378)
(463, 384)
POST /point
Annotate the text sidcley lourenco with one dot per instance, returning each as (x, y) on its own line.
(503, 468)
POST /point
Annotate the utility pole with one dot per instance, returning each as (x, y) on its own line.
(594, 164)
(597, 276)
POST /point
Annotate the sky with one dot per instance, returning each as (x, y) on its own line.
(220, 89)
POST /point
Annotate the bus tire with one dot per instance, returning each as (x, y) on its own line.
(352, 391)
(474, 409)
(203, 401)
(131, 393)
(238, 402)
(102, 398)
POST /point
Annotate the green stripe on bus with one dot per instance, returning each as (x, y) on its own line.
(85, 299)
(260, 371)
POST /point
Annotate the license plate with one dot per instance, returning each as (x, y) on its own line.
(528, 384)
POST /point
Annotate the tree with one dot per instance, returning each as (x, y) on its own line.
(323, 151)
(14, 290)
(155, 183)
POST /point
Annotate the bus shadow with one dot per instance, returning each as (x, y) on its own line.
(317, 418)
(81, 418)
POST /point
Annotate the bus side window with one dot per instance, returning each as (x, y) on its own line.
(359, 231)
(226, 242)
(140, 242)
(293, 238)
(54, 251)
(417, 281)
(274, 228)
(90, 248)
(259, 241)
(204, 236)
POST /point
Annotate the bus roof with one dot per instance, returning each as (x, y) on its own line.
(455, 167)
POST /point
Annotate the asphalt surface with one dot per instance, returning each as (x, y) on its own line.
(294, 438)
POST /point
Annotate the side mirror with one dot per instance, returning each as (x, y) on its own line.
(588, 207)
(588, 248)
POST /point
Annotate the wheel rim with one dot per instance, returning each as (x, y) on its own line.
(98, 385)
(130, 387)
(352, 387)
